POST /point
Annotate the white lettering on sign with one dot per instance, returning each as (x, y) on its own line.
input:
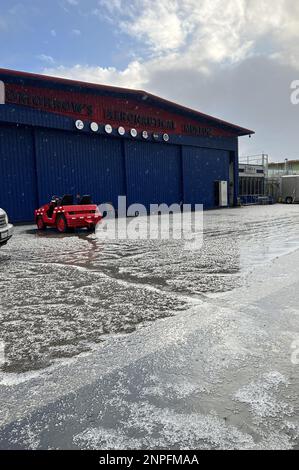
(2, 93)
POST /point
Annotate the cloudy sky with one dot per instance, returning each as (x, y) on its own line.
(234, 59)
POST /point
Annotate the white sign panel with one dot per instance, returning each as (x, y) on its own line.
(2, 93)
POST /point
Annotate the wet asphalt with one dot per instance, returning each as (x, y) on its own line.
(142, 344)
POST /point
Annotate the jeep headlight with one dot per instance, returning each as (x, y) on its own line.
(6, 218)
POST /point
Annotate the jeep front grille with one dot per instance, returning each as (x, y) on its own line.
(2, 221)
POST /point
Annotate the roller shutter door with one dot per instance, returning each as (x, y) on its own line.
(153, 173)
(18, 191)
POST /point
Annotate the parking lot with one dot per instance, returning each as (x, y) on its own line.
(141, 344)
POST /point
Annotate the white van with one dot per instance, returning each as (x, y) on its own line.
(6, 229)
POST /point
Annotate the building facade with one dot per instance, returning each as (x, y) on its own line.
(287, 167)
(60, 137)
(252, 183)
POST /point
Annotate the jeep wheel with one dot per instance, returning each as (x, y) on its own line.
(61, 224)
(289, 200)
(40, 224)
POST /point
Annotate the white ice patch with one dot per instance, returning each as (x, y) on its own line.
(172, 390)
(101, 438)
(260, 396)
(165, 429)
(9, 380)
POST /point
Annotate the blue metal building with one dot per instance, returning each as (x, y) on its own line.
(64, 137)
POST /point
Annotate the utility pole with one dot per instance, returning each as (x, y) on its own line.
(286, 166)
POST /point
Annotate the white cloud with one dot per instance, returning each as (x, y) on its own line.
(133, 76)
(205, 30)
(46, 58)
(53, 33)
(160, 27)
(72, 2)
(76, 32)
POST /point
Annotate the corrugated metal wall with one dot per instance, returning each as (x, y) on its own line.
(71, 163)
(153, 172)
(18, 192)
(201, 168)
(36, 163)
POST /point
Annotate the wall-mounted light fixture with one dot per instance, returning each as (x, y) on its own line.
(108, 129)
(121, 130)
(79, 124)
(94, 127)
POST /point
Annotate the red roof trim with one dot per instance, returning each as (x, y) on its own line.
(239, 130)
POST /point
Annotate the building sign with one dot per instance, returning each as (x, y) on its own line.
(105, 109)
(197, 130)
(48, 103)
(251, 170)
(138, 119)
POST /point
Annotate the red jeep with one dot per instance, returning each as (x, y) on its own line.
(63, 214)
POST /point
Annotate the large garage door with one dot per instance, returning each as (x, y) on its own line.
(71, 163)
(153, 173)
(18, 195)
(201, 169)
